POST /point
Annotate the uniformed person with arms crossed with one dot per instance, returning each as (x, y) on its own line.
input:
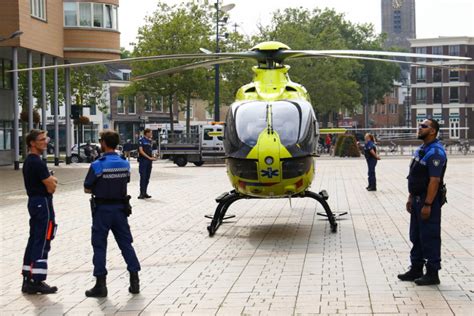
(40, 186)
(426, 187)
(107, 180)
(145, 161)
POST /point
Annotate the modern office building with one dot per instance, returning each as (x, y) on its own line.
(445, 94)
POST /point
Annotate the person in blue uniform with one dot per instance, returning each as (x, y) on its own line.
(145, 162)
(40, 186)
(107, 180)
(370, 153)
(426, 188)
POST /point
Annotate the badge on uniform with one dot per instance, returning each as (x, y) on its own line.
(436, 162)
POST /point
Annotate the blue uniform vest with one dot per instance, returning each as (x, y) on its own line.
(428, 161)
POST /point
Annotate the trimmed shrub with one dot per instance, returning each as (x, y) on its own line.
(346, 146)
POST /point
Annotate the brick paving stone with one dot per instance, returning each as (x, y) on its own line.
(272, 259)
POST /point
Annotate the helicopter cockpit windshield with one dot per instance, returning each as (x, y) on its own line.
(290, 119)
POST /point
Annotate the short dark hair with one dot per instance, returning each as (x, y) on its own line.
(146, 131)
(33, 135)
(434, 124)
(110, 138)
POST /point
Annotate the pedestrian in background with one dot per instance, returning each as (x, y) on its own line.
(427, 195)
(328, 143)
(107, 180)
(127, 148)
(145, 161)
(370, 153)
(40, 186)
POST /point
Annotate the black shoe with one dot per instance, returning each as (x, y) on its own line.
(414, 273)
(35, 287)
(430, 278)
(147, 196)
(134, 283)
(371, 189)
(100, 288)
(141, 197)
(26, 280)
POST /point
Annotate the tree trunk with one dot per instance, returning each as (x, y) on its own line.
(171, 118)
(188, 118)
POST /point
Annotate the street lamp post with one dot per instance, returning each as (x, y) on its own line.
(224, 8)
(11, 36)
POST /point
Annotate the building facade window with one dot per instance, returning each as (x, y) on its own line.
(454, 50)
(397, 21)
(421, 74)
(131, 105)
(453, 75)
(5, 135)
(421, 50)
(437, 50)
(454, 95)
(191, 112)
(147, 104)
(38, 9)
(392, 108)
(93, 109)
(209, 115)
(437, 95)
(87, 14)
(420, 95)
(437, 73)
(159, 103)
(120, 105)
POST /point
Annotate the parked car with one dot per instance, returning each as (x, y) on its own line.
(85, 154)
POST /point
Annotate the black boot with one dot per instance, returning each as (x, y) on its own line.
(100, 288)
(134, 283)
(34, 287)
(26, 280)
(147, 196)
(141, 196)
(430, 278)
(415, 272)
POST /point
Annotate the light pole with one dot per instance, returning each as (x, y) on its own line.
(224, 8)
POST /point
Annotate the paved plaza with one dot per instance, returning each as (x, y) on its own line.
(277, 257)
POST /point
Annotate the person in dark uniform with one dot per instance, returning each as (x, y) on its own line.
(107, 180)
(145, 161)
(427, 195)
(40, 186)
(370, 153)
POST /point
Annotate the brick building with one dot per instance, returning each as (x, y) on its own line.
(445, 94)
(48, 32)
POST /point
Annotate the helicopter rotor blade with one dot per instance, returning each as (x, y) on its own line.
(283, 54)
(200, 64)
(414, 64)
(239, 55)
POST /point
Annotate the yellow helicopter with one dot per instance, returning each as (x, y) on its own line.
(271, 131)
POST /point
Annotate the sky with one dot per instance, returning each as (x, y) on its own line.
(433, 17)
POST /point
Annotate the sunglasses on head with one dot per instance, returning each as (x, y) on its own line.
(423, 126)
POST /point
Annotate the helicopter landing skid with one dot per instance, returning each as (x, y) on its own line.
(224, 201)
(227, 198)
